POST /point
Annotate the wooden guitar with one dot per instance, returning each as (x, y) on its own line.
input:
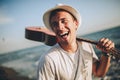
(48, 37)
(40, 34)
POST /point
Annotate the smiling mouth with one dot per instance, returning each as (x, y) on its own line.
(64, 34)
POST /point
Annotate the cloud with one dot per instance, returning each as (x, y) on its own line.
(5, 19)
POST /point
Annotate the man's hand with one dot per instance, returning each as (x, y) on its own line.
(105, 45)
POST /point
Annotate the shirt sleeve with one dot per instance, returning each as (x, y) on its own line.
(95, 57)
(45, 69)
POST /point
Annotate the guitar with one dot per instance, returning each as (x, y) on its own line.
(42, 34)
(46, 36)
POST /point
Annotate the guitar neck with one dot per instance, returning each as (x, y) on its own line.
(87, 40)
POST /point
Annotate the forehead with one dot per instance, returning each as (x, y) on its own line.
(61, 14)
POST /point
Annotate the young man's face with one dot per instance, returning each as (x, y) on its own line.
(65, 26)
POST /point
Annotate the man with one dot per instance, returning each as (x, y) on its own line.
(70, 59)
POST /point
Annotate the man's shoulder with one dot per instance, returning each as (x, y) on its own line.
(87, 47)
(53, 52)
(50, 55)
(53, 49)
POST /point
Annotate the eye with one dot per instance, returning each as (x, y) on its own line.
(64, 21)
(54, 24)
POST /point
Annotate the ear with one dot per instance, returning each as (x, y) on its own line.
(76, 24)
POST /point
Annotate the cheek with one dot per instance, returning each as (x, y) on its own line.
(57, 39)
(76, 25)
(73, 27)
(54, 30)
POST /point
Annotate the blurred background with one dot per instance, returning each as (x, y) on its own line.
(18, 56)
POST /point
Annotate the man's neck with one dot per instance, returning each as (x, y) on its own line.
(71, 48)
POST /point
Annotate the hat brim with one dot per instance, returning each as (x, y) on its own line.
(71, 10)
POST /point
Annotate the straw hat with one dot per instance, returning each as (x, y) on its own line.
(70, 9)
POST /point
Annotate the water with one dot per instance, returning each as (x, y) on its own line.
(114, 35)
(25, 61)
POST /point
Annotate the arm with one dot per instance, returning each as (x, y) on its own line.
(101, 67)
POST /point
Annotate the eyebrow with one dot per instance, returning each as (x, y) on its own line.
(59, 20)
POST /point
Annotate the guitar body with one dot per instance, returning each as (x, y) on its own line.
(40, 34)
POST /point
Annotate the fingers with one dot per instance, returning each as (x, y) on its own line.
(105, 45)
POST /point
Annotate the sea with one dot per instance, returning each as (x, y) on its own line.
(25, 61)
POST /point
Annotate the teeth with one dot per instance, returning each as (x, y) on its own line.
(63, 34)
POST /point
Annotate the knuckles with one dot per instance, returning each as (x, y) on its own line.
(105, 44)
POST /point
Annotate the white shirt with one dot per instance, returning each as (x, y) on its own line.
(58, 64)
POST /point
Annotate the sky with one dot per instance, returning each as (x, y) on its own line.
(16, 15)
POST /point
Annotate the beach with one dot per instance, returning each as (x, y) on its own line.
(22, 64)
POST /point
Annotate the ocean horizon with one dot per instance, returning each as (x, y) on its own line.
(25, 61)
